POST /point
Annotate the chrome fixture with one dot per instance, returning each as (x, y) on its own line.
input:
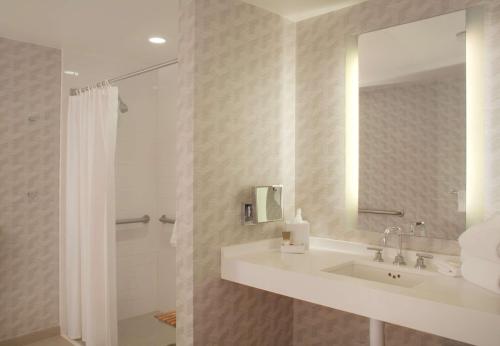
(387, 233)
(165, 219)
(415, 225)
(378, 253)
(75, 91)
(266, 205)
(382, 212)
(399, 258)
(122, 106)
(144, 219)
(420, 260)
(247, 214)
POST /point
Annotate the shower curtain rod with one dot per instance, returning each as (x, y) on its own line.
(74, 91)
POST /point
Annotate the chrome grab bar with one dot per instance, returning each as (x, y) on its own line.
(165, 219)
(144, 219)
(382, 212)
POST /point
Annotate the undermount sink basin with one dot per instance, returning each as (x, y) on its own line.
(392, 276)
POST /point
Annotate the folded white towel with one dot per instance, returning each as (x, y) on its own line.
(173, 237)
(483, 240)
(448, 267)
(481, 272)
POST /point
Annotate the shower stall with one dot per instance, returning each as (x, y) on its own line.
(119, 264)
(88, 121)
(145, 198)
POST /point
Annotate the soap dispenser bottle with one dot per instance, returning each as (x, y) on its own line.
(299, 229)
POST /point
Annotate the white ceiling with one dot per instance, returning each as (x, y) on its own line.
(297, 10)
(105, 38)
(409, 50)
(95, 32)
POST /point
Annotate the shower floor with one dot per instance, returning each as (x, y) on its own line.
(145, 330)
(53, 341)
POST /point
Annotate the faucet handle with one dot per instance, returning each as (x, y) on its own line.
(378, 253)
(415, 225)
(420, 260)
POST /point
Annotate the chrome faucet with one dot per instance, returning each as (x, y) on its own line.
(417, 225)
(378, 253)
(420, 260)
(388, 231)
(399, 258)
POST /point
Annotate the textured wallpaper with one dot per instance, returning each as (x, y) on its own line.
(412, 154)
(237, 117)
(320, 141)
(320, 104)
(184, 175)
(321, 326)
(236, 129)
(493, 107)
(30, 88)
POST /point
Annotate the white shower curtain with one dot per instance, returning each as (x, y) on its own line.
(89, 263)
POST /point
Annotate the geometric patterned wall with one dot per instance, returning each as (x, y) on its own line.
(184, 175)
(237, 117)
(320, 153)
(319, 325)
(236, 129)
(320, 150)
(492, 72)
(412, 154)
(30, 88)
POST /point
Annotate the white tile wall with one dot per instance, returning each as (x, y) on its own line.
(146, 185)
(166, 134)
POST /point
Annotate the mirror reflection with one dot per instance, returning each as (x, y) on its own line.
(412, 127)
(269, 203)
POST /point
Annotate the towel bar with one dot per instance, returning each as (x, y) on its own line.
(382, 212)
(165, 219)
(144, 219)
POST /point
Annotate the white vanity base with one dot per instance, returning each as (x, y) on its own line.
(441, 305)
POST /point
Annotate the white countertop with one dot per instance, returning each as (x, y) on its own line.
(441, 305)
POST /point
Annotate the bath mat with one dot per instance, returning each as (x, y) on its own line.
(167, 317)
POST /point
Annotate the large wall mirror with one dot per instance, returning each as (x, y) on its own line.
(412, 127)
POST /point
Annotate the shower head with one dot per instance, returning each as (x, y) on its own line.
(122, 106)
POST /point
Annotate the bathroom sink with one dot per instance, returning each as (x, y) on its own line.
(384, 274)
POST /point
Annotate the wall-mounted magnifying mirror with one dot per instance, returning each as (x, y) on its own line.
(267, 205)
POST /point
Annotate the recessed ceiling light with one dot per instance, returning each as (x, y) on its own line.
(157, 40)
(71, 73)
